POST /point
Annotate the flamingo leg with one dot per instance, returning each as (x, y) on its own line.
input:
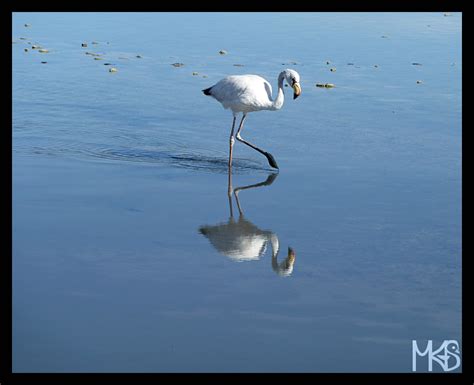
(231, 143)
(271, 160)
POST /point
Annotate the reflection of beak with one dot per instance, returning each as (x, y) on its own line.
(291, 255)
(297, 89)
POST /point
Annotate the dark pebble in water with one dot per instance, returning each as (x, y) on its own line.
(22, 38)
(238, 65)
(384, 37)
(26, 49)
(177, 64)
(94, 42)
(419, 82)
(27, 25)
(376, 66)
(43, 62)
(108, 64)
(84, 45)
(416, 64)
(350, 64)
(222, 52)
(138, 56)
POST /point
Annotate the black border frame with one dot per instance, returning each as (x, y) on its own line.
(6, 375)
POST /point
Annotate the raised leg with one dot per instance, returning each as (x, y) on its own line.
(271, 160)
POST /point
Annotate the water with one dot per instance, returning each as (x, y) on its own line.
(125, 258)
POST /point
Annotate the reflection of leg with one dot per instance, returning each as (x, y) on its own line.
(236, 193)
(231, 142)
(270, 158)
(230, 191)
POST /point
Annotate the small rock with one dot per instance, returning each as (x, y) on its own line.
(419, 82)
(195, 74)
(222, 52)
(26, 49)
(35, 47)
(138, 56)
(98, 58)
(328, 62)
(123, 58)
(416, 64)
(108, 64)
(94, 42)
(113, 69)
(238, 65)
(27, 25)
(350, 64)
(332, 69)
(384, 37)
(84, 45)
(447, 14)
(204, 76)
(22, 38)
(376, 66)
(43, 50)
(92, 54)
(44, 62)
(325, 85)
(177, 64)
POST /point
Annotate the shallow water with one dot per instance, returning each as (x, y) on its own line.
(125, 255)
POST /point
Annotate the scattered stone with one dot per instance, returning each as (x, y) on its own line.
(416, 64)
(84, 45)
(384, 37)
(92, 54)
(138, 56)
(328, 62)
(98, 58)
(447, 14)
(27, 25)
(350, 64)
(22, 38)
(325, 85)
(94, 42)
(177, 64)
(26, 49)
(113, 69)
(195, 74)
(108, 64)
(419, 82)
(222, 52)
(332, 69)
(204, 76)
(43, 50)
(238, 65)
(35, 47)
(44, 62)
(376, 65)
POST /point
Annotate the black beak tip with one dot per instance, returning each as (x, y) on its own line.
(295, 96)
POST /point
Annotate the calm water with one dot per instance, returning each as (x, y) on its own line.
(125, 257)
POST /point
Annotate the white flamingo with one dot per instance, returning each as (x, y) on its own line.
(249, 93)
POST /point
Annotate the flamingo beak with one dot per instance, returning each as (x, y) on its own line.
(296, 89)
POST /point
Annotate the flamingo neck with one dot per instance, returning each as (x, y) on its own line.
(278, 102)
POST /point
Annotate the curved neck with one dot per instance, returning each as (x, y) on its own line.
(278, 102)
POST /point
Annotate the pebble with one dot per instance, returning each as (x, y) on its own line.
(27, 25)
(238, 65)
(43, 50)
(419, 82)
(325, 85)
(222, 52)
(84, 45)
(26, 49)
(138, 56)
(113, 69)
(44, 62)
(332, 69)
(98, 58)
(177, 64)
(195, 74)
(416, 64)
